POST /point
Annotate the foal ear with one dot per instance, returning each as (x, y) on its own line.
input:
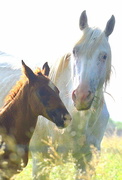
(28, 72)
(83, 23)
(46, 69)
(110, 26)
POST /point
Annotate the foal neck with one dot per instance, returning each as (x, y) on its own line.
(17, 117)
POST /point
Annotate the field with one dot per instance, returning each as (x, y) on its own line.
(108, 164)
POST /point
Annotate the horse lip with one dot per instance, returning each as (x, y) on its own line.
(61, 119)
(56, 120)
(59, 124)
(82, 108)
(60, 127)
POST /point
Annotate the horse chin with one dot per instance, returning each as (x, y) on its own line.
(83, 106)
(60, 127)
(56, 121)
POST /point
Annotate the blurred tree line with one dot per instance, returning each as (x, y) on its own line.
(114, 127)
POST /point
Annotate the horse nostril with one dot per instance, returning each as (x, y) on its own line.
(67, 120)
(74, 95)
(67, 117)
(89, 94)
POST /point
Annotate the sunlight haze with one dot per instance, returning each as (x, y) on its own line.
(38, 31)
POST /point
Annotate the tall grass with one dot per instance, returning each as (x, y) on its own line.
(107, 164)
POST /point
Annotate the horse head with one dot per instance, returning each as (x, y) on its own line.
(44, 97)
(91, 62)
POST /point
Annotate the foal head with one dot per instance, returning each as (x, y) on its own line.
(91, 62)
(44, 98)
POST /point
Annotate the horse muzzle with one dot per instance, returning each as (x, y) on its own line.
(82, 101)
(60, 117)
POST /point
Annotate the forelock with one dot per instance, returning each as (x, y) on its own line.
(90, 40)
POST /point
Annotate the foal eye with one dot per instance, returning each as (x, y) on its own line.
(44, 96)
(43, 92)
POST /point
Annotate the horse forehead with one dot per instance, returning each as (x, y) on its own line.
(93, 35)
(93, 39)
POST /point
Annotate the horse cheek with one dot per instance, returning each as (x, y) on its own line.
(35, 104)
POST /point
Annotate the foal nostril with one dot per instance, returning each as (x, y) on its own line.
(67, 119)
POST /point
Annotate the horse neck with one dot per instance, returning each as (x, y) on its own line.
(17, 117)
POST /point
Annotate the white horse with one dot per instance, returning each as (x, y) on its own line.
(81, 78)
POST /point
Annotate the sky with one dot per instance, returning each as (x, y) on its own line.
(38, 31)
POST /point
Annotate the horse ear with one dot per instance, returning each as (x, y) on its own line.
(46, 69)
(28, 72)
(110, 26)
(83, 23)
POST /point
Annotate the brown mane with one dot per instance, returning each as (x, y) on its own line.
(16, 88)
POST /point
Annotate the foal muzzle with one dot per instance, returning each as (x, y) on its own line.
(60, 117)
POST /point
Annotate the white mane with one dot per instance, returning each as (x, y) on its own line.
(58, 67)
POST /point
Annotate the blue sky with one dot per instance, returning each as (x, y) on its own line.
(38, 31)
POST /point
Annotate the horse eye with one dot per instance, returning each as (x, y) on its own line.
(105, 57)
(73, 51)
(102, 57)
(44, 96)
(43, 92)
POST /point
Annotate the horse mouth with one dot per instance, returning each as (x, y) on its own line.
(61, 120)
(57, 122)
(82, 106)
